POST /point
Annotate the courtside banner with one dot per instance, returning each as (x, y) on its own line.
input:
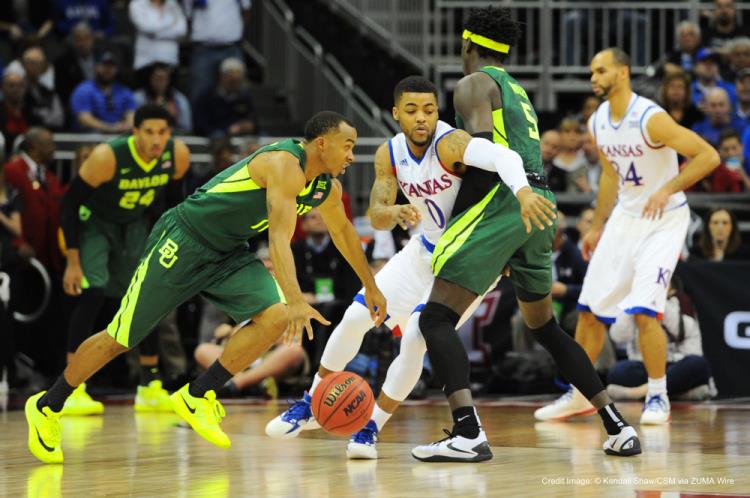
(721, 296)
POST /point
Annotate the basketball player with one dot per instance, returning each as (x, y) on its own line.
(479, 242)
(105, 224)
(413, 160)
(635, 254)
(201, 246)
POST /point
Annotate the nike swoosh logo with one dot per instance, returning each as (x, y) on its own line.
(464, 417)
(41, 441)
(450, 445)
(192, 410)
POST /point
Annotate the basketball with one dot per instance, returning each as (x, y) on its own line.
(343, 403)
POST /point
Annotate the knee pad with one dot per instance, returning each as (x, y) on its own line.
(434, 315)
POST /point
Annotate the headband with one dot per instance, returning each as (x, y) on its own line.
(485, 42)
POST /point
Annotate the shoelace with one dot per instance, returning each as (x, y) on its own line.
(565, 397)
(656, 400)
(53, 428)
(364, 436)
(297, 410)
(215, 408)
(450, 435)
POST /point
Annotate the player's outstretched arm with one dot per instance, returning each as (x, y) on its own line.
(284, 179)
(605, 201)
(347, 241)
(460, 147)
(384, 214)
(99, 168)
(702, 159)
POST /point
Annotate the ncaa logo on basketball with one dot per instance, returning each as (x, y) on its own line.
(348, 409)
(737, 330)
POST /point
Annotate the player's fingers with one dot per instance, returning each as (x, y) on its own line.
(543, 215)
(319, 318)
(536, 219)
(549, 209)
(526, 222)
(309, 329)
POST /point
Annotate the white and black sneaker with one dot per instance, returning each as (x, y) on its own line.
(455, 448)
(626, 443)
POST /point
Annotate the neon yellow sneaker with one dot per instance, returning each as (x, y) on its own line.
(80, 403)
(44, 431)
(203, 415)
(152, 398)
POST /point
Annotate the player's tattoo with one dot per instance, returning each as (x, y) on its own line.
(385, 188)
(455, 144)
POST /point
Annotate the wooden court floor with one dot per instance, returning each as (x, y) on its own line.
(704, 452)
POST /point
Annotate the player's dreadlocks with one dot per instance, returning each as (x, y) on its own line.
(495, 24)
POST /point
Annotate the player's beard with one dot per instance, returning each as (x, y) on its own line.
(423, 142)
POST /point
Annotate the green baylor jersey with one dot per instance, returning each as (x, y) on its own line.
(515, 124)
(231, 208)
(135, 185)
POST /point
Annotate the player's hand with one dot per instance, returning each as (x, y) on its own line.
(300, 314)
(654, 208)
(590, 241)
(376, 304)
(535, 209)
(72, 279)
(406, 215)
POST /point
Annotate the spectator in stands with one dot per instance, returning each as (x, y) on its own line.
(719, 115)
(550, 146)
(216, 33)
(159, 24)
(688, 43)
(675, 97)
(730, 176)
(583, 225)
(707, 77)
(720, 238)
(96, 13)
(161, 91)
(76, 63)
(738, 52)
(589, 105)
(102, 104)
(722, 25)
(15, 115)
(688, 372)
(43, 102)
(571, 159)
(26, 19)
(41, 195)
(743, 95)
(228, 109)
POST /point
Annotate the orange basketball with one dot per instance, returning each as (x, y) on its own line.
(342, 403)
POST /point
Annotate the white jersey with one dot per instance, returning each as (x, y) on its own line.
(643, 166)
(425, 182)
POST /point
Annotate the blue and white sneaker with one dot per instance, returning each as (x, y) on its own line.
(362, 443)
(296, 419)
(656, 410)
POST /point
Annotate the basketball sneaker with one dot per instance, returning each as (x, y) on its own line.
(203, 414)
(152, 398)
(455, 448)
(656, 410)
(296, 419)
(80, 403)
(626, 443)
(45, 435)
(570, 404)
(362, 443)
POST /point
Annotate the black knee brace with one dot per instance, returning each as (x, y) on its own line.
(448, 356)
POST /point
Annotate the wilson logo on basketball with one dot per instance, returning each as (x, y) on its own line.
(334, 393)
(348, 409)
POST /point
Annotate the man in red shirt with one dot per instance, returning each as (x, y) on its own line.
(41, 195)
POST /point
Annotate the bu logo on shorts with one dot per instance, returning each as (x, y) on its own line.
(168, 253)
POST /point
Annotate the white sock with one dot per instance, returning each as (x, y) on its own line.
(316, 381)
(657, 386)
(380, 416)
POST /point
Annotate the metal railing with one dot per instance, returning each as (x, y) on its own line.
(559, 38)
(313, 80)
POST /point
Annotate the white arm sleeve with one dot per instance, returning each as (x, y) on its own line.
(483, 154)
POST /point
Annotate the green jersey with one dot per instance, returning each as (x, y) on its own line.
(135, 185)
(231, 208)
(515, 124)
